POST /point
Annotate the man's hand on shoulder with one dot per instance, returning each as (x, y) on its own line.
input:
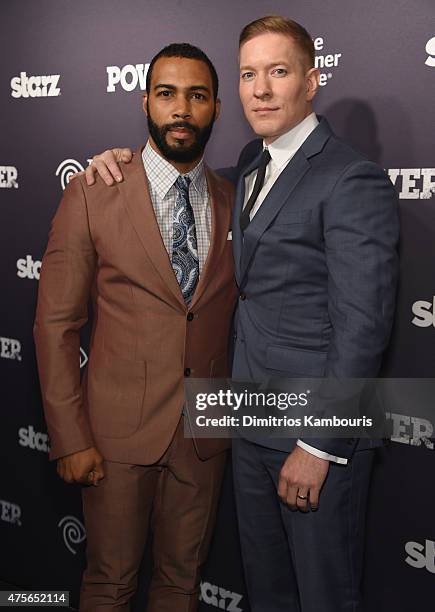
(84, 467)
(107, 166)
(301, 479)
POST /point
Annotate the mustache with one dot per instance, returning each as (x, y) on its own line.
(180, 124)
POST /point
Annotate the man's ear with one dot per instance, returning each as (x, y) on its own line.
(217, 111)
(312, 80)
(145, 102)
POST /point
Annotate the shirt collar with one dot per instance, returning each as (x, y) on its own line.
(162, 174)
(284, 147)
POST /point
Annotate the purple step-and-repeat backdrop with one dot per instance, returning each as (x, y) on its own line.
(71, 78)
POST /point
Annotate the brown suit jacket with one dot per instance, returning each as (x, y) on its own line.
(105, 243)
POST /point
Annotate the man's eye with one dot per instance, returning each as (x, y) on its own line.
(246, 76)
(198, 96)
(279, 71)
(165, 93)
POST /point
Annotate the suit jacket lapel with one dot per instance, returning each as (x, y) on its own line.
(140, 210)
(272, 204)
(237, 234)
(221, 220)
(280, 192)
(237, 211)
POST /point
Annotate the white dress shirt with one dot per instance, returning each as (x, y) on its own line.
(282, 150)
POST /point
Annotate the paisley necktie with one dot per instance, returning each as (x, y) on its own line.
(185, 262)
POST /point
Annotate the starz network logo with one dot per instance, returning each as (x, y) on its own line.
(67, 168)
(73, 532)
(220, 598)
(24, 86)
(421, 556)
(424, 313)
(325, 62)
(430, 50)
(28, 437)
(29, 268)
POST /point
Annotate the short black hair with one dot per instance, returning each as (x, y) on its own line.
(190, 52)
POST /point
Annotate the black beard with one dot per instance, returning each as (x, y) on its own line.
(181, 154)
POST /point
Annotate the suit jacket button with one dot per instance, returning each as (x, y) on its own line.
(190, 316)
(187, 372)
(242, 296)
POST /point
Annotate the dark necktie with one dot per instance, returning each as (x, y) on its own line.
(185, 262)
(259, 181)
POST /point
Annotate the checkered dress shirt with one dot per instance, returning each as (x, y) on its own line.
(161, 182)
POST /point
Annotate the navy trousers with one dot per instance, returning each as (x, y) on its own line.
(294, 561)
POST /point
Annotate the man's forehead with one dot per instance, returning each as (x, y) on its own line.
(181, 70)
(279, 47)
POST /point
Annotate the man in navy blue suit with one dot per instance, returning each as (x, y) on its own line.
(315, 231)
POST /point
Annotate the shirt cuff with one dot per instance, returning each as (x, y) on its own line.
(321, 454)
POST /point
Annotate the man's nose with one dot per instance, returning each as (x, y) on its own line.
(262, 87)
(182, 109)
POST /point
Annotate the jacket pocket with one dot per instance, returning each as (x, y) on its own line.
(293, 362)
(116, 392)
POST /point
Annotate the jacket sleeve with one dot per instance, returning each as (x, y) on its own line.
(67, 274)
(361, 231)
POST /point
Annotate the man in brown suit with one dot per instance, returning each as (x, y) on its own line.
(153, 255)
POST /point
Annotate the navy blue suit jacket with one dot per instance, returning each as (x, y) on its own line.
(318, 265)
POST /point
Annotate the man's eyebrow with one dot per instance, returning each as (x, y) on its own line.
(271, 65)
(165, 85)
(173, 87)
(199, 87)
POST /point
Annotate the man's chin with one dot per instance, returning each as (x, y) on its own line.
(179, 147)
(178, 143)
(266, 132)
(263, 129)
(181, 153)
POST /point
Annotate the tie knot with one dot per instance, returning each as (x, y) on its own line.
(182, 183)
(265, 158)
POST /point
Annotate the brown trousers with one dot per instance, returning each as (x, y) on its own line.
(177, 498)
